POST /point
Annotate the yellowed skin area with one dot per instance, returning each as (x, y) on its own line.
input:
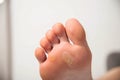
(67, 58)
(52, 58)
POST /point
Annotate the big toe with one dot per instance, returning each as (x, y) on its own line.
(75, 31)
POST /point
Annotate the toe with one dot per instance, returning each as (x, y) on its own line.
(40, 55)
(45, 44)
(75, 31)
(59, 30)
(52, 37)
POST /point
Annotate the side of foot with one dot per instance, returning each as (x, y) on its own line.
(69, 57)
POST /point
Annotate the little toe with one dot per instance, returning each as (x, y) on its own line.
(45, 44)
(51, 36)
(75, 31)
(40, 55)
(59, 30)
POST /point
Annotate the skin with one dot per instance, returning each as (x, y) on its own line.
(69, 57)
(113, 74)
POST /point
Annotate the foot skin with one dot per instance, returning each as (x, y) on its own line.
(69, 57)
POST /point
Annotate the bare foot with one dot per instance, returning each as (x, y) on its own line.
(65, 60)
(113, 74)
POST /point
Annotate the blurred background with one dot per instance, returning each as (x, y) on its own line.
(24, 22)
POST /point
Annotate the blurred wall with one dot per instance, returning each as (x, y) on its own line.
(30, 19)
(5, 66)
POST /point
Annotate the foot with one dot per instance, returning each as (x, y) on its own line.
(64, 53)
(113, 74)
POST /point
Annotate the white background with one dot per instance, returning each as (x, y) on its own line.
(30, 19)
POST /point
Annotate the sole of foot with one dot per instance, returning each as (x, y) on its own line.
(69, 56)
